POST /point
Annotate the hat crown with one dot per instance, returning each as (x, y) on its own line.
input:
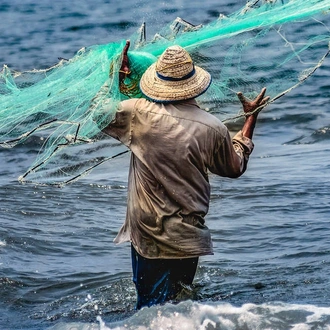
(174, 77)
(175, 62)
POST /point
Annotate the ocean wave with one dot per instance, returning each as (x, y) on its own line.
(319, 135)
(191, 315)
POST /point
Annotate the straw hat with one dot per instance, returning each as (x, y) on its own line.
(174, 77)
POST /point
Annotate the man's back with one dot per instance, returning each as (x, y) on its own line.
(173, 147)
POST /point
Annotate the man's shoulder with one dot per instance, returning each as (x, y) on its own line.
(186, 110)
(203, 117)
(213, 123)
(132, 103)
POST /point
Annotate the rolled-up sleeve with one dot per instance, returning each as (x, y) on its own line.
(120, 127)
(231, 157)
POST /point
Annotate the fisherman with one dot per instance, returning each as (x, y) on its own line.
(174, 145)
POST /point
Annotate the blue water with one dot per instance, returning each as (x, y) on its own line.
(59, 268)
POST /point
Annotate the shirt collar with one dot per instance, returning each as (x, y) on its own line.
(189, 102)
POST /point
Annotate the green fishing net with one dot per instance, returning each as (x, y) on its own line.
(273, 44)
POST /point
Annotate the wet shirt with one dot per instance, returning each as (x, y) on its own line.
(174, 146)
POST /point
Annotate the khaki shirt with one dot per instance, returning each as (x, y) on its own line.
(173, 148)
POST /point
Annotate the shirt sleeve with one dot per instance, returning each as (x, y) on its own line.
(231, 157)
(113, 119)
(102, 107)
(120, 127)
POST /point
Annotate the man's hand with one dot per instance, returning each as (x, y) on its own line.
(250, 106)
(124, 69)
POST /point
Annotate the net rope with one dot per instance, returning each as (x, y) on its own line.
(273, 44)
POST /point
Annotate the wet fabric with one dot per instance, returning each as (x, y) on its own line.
(174, 147)
(160, 280)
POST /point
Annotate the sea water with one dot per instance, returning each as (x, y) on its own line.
(59, 268)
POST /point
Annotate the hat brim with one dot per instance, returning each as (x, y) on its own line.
(160, 90)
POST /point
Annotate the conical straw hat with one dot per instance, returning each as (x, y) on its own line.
(174, 77)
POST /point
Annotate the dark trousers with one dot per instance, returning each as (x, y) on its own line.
(160, 280)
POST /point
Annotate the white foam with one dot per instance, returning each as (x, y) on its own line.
(191, 315)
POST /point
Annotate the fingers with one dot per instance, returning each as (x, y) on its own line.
(241, 97)
(265, 100)
(259, 100)
(260, 97)
(124, 69)
(125, 50)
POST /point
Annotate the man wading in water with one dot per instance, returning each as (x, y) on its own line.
(174, 144)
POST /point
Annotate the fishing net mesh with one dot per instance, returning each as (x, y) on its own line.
(273, 44)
